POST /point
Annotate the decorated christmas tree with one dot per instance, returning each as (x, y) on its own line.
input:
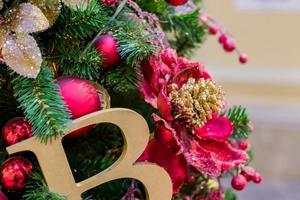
(90, 83)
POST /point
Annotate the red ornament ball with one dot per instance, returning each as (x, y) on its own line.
(239, 182)
(243, 145)
(107, 46)
(16, 130)
(243, 58)
(257, 178)
(81, 97)
(229, 45)
(14, 173)
(213, 29)
(109, 2)
(177, 2)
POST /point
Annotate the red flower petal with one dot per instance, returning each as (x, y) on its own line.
(174, 164)
(165, 134)
(148, 94)
(151, 71)
(218, 128)
(164, 105)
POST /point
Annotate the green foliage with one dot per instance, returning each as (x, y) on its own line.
(187, 31)
(82, 63)
(240, 121)
(37, 189)
(230, 195)
(42, 104)
(134, 43)
(80, 24)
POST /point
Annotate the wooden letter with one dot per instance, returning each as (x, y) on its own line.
(57, 172)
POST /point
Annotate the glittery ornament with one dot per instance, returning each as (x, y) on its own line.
(107, 47)
(22, 54)
(27, 18)
(109, 2)
(177, 2)
(196, 101)
(81, 98)
(16, 130)
(14, 173)
(50, 8)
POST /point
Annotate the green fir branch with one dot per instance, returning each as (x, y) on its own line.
(37, 189)
(240, 121)
(80, 24)
(82, 63)
(134, 44)
(42, 104)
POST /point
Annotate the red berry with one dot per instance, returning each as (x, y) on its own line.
(177, 2)
(223, 38)
(257, 178)
(243, 58)
(243, 145)
(248, 172)
(239, 182)
(109, 2)
(229, 45)
(213, 29)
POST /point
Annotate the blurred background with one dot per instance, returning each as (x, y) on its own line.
(269, 86)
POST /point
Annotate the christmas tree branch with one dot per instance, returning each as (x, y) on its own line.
(42, 104)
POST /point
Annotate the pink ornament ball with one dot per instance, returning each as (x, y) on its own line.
(107, 46)
(81, 98)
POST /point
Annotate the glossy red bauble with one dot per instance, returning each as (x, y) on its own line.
(243, 58)
(81, 98)
(229, 45)
(107, 46)
(257, 178)
(239, 182)
(16, 130)
(14, 173)
(177, 2)
(213, 29)
(109, 2)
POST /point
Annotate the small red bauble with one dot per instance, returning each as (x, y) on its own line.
(107, 46)
(177, 2)
(191, 180)
(239, 182)
(81, 97)
(229, 45)
(16, 130)
(223, 38)
(243, 58)
(257, 178)
(14, 173)
(213, 29)
(109, 2)
(2, 196)
(243, 145)
(169, 56)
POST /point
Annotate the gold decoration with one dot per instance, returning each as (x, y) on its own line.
(77, 4)
(3, 34)
(57, 172)
(22, 54)
(27, 18)
(103, 95)
(195, 102)
(50, 8)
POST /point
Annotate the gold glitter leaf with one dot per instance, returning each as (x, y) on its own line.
(27, 18)
(3, 36)
(77, 4)
(22, 54)
(50, 8)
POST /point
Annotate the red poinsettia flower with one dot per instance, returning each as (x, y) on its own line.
(189, 102)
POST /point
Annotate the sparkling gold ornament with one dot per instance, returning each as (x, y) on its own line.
(195, 102)
(59, 177)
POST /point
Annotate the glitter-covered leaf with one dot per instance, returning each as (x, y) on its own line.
(77, 4)
(50, 8)
(3, 36)
(27, 18)
(22, 54)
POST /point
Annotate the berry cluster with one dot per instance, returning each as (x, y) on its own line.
(239, 181)
(226, 40)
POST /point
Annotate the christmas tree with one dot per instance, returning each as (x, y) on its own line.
(63, 60)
